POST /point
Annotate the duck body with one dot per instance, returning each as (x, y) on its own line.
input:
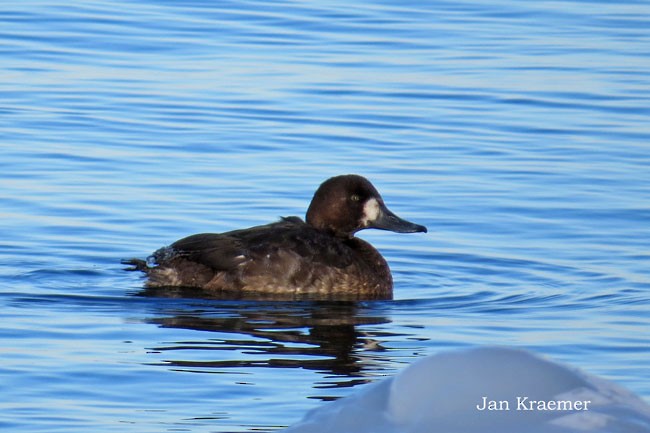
(319, 258)
(286, 257)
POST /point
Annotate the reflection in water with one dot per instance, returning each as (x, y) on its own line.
(322, 336)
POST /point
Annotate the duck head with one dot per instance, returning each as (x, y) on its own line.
(343, 205)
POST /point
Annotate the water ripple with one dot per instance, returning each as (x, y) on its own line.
(517, 132)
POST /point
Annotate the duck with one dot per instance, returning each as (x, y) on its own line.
(318, 258)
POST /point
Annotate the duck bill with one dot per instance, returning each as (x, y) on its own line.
(386, 220)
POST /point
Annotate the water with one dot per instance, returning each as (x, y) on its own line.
(517, 133)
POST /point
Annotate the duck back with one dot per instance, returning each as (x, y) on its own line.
(287, 259)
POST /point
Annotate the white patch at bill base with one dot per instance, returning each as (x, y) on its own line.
(371, 211)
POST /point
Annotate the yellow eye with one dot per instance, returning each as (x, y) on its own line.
(355, 197)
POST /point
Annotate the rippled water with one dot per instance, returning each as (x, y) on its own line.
(518, 133)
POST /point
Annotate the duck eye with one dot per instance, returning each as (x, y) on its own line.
(355, 197)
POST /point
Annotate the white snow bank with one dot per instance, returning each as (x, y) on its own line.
(519, 391)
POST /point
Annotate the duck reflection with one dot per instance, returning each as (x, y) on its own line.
(331, 337)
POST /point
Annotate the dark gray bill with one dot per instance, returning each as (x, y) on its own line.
(389, 221)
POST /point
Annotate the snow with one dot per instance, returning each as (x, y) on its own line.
(443, 393)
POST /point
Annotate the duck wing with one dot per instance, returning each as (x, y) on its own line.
(218, 251)
(289, 237)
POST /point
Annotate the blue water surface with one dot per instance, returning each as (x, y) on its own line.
(517, 132)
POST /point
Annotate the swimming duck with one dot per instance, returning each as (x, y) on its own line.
(319, 258)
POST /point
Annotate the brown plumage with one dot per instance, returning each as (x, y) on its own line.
(316, 259)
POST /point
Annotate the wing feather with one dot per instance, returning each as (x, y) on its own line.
(227, 251)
